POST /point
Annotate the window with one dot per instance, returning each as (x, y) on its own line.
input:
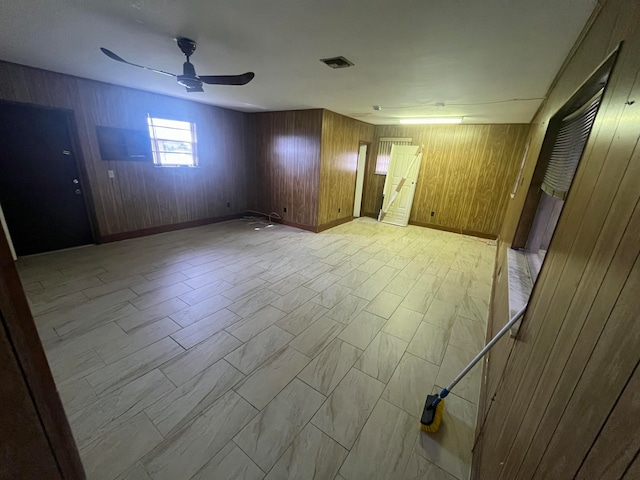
(384, 152)
(173, 142)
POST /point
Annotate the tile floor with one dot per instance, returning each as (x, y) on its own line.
(225, 352)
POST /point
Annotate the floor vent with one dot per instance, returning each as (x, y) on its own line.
(337, 62)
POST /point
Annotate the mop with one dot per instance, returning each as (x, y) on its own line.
(434, 406)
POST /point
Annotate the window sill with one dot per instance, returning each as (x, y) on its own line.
(177, 166)
(520, 284)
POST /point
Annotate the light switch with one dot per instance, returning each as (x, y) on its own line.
(111, 174)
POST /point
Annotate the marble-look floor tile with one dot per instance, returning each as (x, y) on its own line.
(429, 343)
(455, 359)
(249, 356)
(468, 335)
(347, 309)
(269, 434)
(329, 368)
(302, 317)
(384, 304)
(203, 293)
(202, 438)
(441, 314)
(474, 308)
(186, 365)
(159, 295)
(230, 463)
(118, 407)
(193, 313)
(451, 293)
(457, 278)
(255, 323)
(450, 447)
(164, 281)
(118, 374)
(403, 323)
(353, 279)
(479, 290)
(254, 302)
(112, 454)
(381, 357)
(315, 338)
(187, 401)
(289, 283)
(322, 282)
(421, 294)
(331, 295)
(273, 375)
(384, 447)
(362, 330)
(76, 395)
(139, 318)
(247, 288)
(205, 328)
(69, 369)
(346, 410)
(312, 455)
(370, 288)
(137, 339)
(410, 384)
(421, 469)
(135, 472)
(292, 300)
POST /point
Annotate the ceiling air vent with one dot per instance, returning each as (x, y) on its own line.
(337, 62)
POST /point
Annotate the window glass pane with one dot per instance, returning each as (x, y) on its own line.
(173, 134)
(163, 122)
(175, 158)
(173, 142)
(171, 146)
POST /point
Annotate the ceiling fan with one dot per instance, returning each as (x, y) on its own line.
(189, 79)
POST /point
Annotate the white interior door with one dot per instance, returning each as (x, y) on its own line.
(362, 157)
(400, 184)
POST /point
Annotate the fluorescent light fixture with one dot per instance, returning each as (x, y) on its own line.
(426, 120)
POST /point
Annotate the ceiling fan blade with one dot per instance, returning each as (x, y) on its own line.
(194, 89)
(228, 79)
(117, 58)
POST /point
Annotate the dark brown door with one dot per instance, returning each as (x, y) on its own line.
(40, 191)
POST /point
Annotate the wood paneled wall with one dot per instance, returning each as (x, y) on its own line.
(565, 405)
(143, 196)
(466, 175)
(287, 165)
(341, 137)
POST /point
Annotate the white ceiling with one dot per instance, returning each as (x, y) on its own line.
(408, 54)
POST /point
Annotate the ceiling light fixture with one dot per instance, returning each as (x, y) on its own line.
(428, 120)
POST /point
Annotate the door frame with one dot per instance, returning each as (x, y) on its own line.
(78, 158)
(364, 175)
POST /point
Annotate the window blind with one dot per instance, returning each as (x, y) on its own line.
(384, 152)
(568, 148)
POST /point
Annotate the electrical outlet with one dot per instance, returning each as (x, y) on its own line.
(111, 174)
(338, 210)
(433, 213)
(285, 209)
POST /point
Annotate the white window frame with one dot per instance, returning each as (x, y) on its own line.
(159, 159)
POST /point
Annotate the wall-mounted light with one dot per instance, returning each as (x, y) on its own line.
(427, 120)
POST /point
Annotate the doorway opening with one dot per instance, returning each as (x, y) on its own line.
(362, 163)
(41, 189)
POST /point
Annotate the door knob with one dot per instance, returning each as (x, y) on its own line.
(75, 181)
(78, 192)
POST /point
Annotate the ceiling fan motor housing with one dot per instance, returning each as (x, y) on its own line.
(188, 77)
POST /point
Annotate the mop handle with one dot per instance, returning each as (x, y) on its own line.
(482, 353)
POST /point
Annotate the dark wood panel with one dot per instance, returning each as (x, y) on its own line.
(142, 196)
(466, 175)
(287, 165)
(36, 437)
(341, 137)
(577, 347)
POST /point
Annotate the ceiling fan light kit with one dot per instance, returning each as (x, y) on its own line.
(189, 79)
